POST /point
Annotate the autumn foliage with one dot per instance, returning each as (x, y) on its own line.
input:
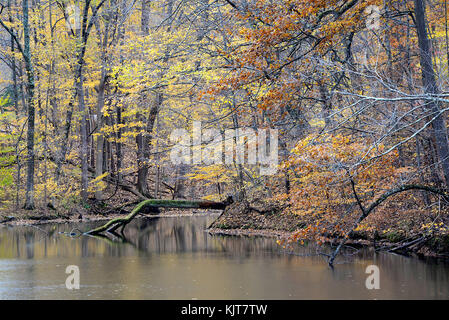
(357, 90)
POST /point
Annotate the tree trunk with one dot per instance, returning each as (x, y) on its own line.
(118, 146)
(29, 202)
(430, 86)
(143, 146)
(145, 17)
(63, 144)
(83, 128)
(99, 153)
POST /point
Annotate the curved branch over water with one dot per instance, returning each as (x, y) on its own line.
(366, 211)
(114, 224)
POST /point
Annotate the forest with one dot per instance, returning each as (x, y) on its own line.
(337, 110)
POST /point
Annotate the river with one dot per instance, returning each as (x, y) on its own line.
(175, 258)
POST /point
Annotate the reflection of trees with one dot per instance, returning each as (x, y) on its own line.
(29, 240)
(147, 235)
(113, 239)
(181, 235)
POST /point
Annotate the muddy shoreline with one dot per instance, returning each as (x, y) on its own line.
(268, 233)
(379, 246)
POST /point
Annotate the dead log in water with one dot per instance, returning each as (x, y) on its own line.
(114, 224)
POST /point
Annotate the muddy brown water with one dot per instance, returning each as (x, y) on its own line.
(175, 258)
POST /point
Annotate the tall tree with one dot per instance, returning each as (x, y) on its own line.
(26, 54)
(431, 88)
(29, 201)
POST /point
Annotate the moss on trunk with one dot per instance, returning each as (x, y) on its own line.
(113, 224)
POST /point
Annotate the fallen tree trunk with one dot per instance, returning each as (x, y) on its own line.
(114, 224)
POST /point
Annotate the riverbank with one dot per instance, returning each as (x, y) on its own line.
(23, 217)
(242, 220)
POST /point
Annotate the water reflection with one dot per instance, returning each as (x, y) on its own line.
(174, 258)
